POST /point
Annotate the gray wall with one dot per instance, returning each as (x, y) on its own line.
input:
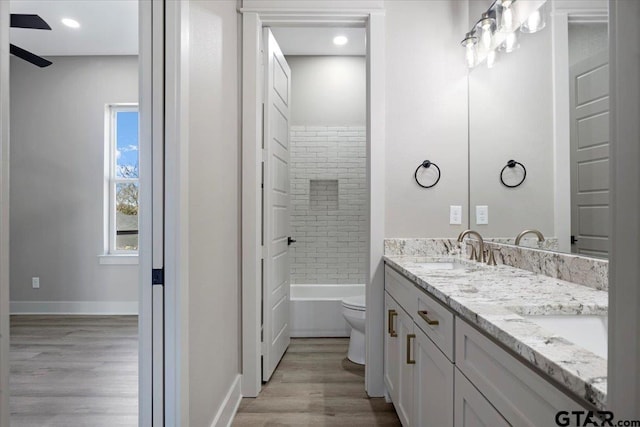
(328, 169)
(213, 208)
(511, 117)
(587, 39)
(426, 103)
(328, 90)
(57, 178)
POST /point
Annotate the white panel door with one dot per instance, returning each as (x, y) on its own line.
(590, 155)
(275, 286)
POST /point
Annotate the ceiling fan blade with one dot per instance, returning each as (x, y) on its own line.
(28, 56)
(20, 20)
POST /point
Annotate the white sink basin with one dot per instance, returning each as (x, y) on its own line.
(441, 265)
(589, 332)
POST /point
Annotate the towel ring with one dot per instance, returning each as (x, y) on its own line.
(512, 164)
(426, 164)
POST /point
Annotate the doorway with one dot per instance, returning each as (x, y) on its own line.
(100, 316)
(253, 262)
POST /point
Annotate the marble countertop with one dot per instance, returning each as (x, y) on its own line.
(495, 298)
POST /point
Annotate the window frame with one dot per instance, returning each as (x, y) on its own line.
(111, 180)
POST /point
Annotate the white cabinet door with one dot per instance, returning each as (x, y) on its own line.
(472, 408)
(433, 384)
(404, 403)
(391, 347)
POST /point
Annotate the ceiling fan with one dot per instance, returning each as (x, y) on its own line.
(34, 22)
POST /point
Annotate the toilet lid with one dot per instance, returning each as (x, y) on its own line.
(354, 303)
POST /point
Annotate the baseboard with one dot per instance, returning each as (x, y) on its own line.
(75, 307)
(229, 406)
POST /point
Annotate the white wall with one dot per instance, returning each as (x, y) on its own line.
(57, 179)
(213, 208)
(426, 115)
(511, 117)
(328, 90)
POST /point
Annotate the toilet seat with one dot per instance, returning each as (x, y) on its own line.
(355, 303)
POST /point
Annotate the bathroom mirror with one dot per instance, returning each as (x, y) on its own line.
(544, 105)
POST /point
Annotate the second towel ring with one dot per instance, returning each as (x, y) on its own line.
(512, 164)
(426, 164)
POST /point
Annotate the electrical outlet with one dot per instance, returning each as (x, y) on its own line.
(482, 215)
(455, 215)
(35, 282)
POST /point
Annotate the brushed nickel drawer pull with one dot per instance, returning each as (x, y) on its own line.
(391, 329)
(432, 322)
(410, 361)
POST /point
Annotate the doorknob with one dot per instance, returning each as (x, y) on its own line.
(290, 241)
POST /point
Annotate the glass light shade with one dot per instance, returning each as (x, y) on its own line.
(491, 58)
(486, 26)
(510, 43)
(534, 23)
(506, 20)
(469, 43)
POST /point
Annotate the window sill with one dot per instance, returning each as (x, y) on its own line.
(124, 259)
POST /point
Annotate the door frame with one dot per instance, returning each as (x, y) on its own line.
(373, 20)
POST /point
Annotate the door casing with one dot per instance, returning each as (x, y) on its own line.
(253, 21)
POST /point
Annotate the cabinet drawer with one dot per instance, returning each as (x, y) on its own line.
(436, 321)
(401, 289)
(523, 397)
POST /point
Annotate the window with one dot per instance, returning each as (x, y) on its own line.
(122, 179)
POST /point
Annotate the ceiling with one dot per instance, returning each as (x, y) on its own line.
(319, 40)
(110, 27)
(107, 27)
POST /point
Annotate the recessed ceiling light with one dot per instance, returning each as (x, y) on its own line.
(340, 40)
(71, 23)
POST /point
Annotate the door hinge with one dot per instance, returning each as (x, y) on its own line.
(157, 276)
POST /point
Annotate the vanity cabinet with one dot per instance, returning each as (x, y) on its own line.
(418, 376)
(441, 371)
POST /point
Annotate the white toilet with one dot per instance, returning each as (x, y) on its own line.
(353, 310)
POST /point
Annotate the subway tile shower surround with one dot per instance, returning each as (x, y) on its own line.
(328, 199)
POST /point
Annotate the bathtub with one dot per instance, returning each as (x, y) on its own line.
(316, 310)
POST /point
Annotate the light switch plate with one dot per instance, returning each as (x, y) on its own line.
(455, 215)
(482, 215)
(35, 282)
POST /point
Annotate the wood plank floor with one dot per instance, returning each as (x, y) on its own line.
(74, 371)
(316, 385)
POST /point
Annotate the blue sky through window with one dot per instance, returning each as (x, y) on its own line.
(127, 143)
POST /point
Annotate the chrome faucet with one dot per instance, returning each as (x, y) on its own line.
(479, 255)
(525, 232)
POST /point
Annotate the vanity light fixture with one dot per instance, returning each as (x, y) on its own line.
(496, 30)
(470, 43)
(340, 40)
(71, 23)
